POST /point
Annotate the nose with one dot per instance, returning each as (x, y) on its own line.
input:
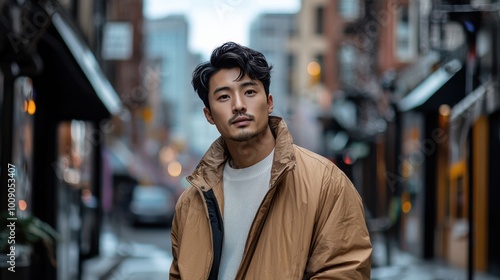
(238, 104)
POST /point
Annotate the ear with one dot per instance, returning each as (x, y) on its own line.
(270, 104)
(208, 115)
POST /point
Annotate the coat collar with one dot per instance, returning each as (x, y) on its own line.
(209, 171)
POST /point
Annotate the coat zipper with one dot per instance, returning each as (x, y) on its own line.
(200, 192)
(261, 225)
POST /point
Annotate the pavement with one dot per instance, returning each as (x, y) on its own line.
(405, 266)
(121, 260)
(129, 261)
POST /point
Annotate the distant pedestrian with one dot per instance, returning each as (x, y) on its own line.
(260, 207)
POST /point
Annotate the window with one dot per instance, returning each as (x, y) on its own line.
(349, 9)
(403, 38)
(406, 33)
(319, 20)
(22, 141)
(347, 57)
(320, 59)
(268, 30)
(290, 66)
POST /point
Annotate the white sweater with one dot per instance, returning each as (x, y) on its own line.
(244, 190)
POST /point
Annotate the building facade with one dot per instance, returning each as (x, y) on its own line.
(269, 33)
(56, 110)
(394, 94)
(447, 110)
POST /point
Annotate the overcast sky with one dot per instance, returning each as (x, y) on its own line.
(213, 22)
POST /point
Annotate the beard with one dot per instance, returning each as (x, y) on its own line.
(244, 136)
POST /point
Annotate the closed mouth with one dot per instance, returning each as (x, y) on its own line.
(240, 119)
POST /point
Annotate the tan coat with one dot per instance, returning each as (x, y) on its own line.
(310, 225)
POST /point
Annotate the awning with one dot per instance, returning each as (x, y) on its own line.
(445, 81)
(72, 84)
(89, 65)
(483, 100)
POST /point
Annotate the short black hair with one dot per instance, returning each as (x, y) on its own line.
(227, 56)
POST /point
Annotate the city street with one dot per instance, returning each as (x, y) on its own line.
(158, 236)
(129, 252)
(144, 253)
(107, 116)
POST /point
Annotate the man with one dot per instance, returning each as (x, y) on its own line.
(260, 207)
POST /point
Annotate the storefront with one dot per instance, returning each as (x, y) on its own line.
(470, 214)
(493, 194)
(55, 109)
(423, 138)
(474, 138)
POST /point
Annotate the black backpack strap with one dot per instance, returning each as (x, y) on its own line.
(217, 231)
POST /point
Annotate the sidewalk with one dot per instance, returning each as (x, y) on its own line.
(109, 259)
(405, 266)
(127, 261)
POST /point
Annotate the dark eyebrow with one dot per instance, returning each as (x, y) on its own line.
(220, 89)
(249, 83)
(245, 84)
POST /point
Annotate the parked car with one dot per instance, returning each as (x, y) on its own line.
(152, 205)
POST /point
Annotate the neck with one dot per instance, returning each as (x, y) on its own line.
(247, 153)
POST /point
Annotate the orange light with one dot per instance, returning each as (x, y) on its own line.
(22, 205)
(313, 68)
(406, 207)
(444, 110)
(31, 107)
(174, 169)
(148, 114)
(167, 154)
(25, 106)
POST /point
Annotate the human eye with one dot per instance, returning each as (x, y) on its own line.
(250, 92)
(223, 97)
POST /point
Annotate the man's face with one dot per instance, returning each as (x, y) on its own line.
(239, 109)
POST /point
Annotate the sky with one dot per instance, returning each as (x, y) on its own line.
(213, 22)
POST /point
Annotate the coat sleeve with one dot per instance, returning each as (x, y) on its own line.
(175, 234)
(341, 247)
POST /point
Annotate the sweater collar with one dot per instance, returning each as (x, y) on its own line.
(209, 171)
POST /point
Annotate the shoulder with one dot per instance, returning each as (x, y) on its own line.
(311, 157)
(317, 167)
(313, 162)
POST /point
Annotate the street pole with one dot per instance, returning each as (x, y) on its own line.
(471, 31)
